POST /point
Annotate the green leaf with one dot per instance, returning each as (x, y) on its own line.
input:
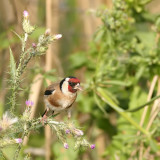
(108, 100)
(153, 145)
(61, 153)
(84, 101)
(116, 82)
(78, 60)
(12, 65)
(49, 77)
(99, 104)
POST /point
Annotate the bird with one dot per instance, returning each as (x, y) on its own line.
(61, 95)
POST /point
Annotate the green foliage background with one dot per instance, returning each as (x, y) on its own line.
(120, 63)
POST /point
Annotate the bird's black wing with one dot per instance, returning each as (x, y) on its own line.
(48, 92)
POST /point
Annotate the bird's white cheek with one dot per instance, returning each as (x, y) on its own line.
(67, 79)
(65, 89)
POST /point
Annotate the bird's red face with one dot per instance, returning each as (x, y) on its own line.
(74, 85)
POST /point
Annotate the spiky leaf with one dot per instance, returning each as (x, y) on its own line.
(12, 65)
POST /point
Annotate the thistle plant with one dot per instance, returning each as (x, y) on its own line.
(13, 129)
(26, 55)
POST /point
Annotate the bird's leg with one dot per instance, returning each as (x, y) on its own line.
(45, 112)
(69, 114)
(44, 117)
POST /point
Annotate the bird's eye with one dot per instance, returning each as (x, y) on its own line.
(71, 84)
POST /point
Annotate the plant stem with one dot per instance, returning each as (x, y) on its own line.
(144, 105)
(19, 146)
(3, 156)
(19, 72)
(21, 67)
(108, 100)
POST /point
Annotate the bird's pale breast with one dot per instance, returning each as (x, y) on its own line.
(58, 102)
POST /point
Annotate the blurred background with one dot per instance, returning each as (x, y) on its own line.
(88, 32)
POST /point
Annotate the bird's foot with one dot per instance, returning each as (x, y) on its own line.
(69, 118)
(43, 120)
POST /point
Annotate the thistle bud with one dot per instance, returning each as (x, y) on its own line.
(47, 32)
(29, 103)
(34, 45)
(26, 24)
(66, 145)
(92, 146)
(67, 131)
(78, 132)
(25, 14)
(57, 36)
(18, 140)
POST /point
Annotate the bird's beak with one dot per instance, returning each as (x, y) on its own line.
(78, 87)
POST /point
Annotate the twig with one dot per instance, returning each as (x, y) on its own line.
(149, 100)
(19, 146)
(35, 151)
(157, 101)
(141, 151)
(48, 67)
(146, 109)
(153, 116)
(155, 110)
(145, 155)
(144, 105)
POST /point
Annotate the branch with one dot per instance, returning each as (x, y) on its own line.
(144, 105)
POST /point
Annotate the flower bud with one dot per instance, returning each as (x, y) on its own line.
(26, 26)
(18, 140)
(66, 145)
(42, 49)
(78, 132)
(34, 45)
(29, 103)
(48, 31)
(92, 146)
(67, 131)
(25, 14)
(58, 36)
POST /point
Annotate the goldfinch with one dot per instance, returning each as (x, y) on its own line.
(60, 96)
